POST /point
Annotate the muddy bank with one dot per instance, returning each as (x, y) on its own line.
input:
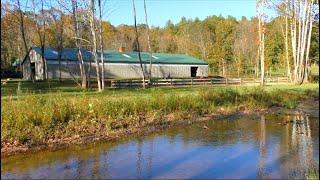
(307, 107)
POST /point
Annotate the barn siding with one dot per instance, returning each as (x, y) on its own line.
(71, 69)
(26, 69)
(121, 70)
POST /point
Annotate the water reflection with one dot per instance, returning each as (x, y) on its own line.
(250, 147)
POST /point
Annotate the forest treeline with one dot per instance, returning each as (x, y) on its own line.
(230, 46)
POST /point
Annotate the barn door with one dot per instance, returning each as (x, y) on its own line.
(33, 70)
(194, 71)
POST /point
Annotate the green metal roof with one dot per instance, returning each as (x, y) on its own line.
(117, 57)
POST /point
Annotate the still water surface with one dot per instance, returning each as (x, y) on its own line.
(248, 147)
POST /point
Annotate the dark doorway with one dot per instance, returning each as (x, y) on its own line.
(33, 70)
(194, 71)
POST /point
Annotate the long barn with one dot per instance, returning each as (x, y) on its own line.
(118, 64)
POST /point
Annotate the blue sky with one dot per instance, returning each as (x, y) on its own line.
(160, 11)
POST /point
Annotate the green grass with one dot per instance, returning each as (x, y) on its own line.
(38, 113)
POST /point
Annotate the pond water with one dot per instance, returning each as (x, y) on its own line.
(247, 147)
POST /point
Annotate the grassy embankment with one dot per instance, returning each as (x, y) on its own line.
(65, 113)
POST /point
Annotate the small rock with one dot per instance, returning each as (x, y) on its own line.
(205, 127)
(15, 143)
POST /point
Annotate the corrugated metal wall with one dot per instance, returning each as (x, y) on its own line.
(71, 69)
(121, 70)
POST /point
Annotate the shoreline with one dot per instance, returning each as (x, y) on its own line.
(8, 149)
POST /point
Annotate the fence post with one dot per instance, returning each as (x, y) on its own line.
(278, 80)
(171, 82)
(240, 81)
(191, 81)
(227, 81)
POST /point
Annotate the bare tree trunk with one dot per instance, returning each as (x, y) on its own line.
(101, 46)
(306, 65)
(149, 43)
(260, 7)
(78, 44)
(60, 50)
(59, 38)
(94, 42)
(41, 36)
(22, 28)
(300, 48)
(286, 43)
(137, 41)
(293, 39)
(256, 67)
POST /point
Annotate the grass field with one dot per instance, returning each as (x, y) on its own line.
(49, 110)
(18, 87)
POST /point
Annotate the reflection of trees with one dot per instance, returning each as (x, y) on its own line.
(139, 154)
(262, 148)
(150, 157)
(294, 141)
(303, 144)
(96, 166)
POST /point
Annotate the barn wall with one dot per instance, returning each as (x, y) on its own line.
(35, 57)
(122, 70)
(26, 69)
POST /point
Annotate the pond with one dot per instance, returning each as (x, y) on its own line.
(246, 147)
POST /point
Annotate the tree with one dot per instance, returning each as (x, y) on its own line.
(78, 44)
(101, 44)
(94, 42)
(137, 41)
(261, 24)
(302, 17)
(57, 16)
(149, 43)
(40, 21)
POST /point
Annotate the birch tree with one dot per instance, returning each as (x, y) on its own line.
(101, 44)
(284, 11)
(261, 25)
(94, 41)
(301, 16)
(137, 43)
(78, 44)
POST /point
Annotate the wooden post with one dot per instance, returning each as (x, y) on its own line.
(240, 81)
(171, 82)
(227, 81)
(278, 80)
(191, 81)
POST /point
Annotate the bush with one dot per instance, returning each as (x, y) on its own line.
(10, 73)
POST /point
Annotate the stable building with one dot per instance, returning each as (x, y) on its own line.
(117, 64)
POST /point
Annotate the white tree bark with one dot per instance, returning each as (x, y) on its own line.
(301, 16)
(101, 45)
(261, 29)
(94, 42)
(78, 44)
